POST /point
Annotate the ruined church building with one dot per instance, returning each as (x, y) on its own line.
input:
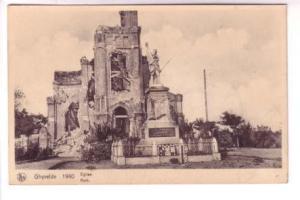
(113, 87)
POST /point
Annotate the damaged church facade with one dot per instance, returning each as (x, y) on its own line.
(119, 87)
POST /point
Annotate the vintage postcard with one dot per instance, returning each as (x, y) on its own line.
(147, 94)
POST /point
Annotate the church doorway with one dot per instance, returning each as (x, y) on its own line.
(121, 120)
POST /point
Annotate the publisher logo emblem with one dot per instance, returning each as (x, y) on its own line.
(21, 177)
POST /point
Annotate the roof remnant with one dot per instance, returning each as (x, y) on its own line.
(67, 77)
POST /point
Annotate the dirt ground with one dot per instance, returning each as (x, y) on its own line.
(43, 164)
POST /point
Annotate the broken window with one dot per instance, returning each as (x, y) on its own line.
(119, 74)
(99, 37)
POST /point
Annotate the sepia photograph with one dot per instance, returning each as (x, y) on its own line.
(147, 94)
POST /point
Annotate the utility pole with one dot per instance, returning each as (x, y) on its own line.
(205, 96)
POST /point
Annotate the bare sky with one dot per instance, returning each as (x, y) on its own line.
(242, 49)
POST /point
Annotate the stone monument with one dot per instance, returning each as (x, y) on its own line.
(160, 126)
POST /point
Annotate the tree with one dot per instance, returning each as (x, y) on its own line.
(231, 119)
(205, 127)
(264, 137)
(19, 97)
(185, 129)
(246, 133)
(25, 123)
(234, 121)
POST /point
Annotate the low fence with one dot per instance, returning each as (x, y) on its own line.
(150, 150)
(130, 151)
(202, 146)
(161, 153)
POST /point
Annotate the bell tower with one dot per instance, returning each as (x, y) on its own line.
(118, 71)
(128, 18)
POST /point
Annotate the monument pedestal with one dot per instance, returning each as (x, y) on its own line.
(161, 132)
(159, 126)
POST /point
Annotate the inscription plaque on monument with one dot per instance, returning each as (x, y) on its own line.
(162, 132)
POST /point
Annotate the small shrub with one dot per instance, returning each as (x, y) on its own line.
(224, 153)
(90, 167)
(32, 152)
(20, 154)
(225, 139)
(95, 150)
(87, 155)
(44, 154)
(102, 151)
(174, 161)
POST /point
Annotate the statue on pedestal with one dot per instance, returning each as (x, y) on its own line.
(154, 68)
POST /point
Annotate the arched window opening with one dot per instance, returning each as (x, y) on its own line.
(121, 121)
